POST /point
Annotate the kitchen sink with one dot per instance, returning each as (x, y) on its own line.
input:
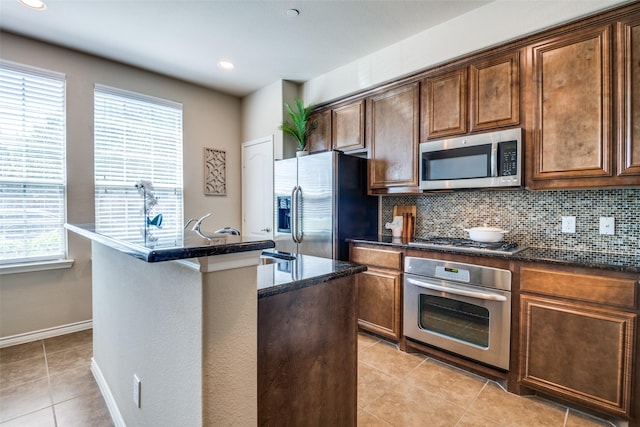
(264, 260)
(274, 257)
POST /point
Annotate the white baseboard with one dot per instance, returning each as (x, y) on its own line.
(116, 417)
(45, 333)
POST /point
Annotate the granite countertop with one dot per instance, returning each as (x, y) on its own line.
(287, 275)
(628, 263)
(189, 246)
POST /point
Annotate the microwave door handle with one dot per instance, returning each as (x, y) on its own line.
(494, 159)
(472, 294)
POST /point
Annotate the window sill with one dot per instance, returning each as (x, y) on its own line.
(29, 267)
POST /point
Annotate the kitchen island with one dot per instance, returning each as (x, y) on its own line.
(307, 342)
(176, 325)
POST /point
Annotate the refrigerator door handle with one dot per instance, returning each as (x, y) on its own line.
(299, 231)
(294, 214)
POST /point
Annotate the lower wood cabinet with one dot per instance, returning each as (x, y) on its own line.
(379, 299)
(308, 356)
(379, 290)
(578, 337)
(578, 352)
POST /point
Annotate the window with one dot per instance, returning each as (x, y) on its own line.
(137, 137)
(32, 164)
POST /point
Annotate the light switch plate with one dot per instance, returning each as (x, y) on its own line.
(607, 225)
(568, 224)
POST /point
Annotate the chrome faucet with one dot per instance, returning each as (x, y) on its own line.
(196, 226)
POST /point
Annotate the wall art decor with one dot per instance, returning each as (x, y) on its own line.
(215, 172)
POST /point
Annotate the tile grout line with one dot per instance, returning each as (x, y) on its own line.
(566, 417)
(468, 408)
(46, 364)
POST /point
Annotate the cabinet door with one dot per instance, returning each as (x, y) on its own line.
(577, 352)
(348, 126)
(444, 101)
(392, 138)
(495, 92)
(629, 98)
(572, 109)
(379, 298)
(320, 139)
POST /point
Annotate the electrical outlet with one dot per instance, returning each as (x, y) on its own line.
(607, 225)
(568, 224)
(137, 388)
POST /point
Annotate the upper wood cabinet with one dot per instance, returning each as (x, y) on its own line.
(444, 104)
(494, 87)
(572, 103)
(320, 139)
(347, 126)
(392, 139)
(628, 65)
(482, 96)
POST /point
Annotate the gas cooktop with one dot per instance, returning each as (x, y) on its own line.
(467, 245)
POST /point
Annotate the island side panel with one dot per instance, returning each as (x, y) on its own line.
(230, 347)
(147, 321)
(307, 356)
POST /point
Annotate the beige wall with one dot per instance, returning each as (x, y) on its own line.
(263, 112)
(34, 301)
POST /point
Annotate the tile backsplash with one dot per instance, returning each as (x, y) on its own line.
(533, 218)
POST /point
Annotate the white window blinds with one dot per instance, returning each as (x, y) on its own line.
(32, 164)
(136, 138)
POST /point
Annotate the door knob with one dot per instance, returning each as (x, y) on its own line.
(266, 230)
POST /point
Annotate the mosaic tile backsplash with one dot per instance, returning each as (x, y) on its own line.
(533, 218)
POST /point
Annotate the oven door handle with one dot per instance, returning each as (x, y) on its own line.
(456, 291)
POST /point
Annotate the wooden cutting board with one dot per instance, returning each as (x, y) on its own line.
(400, 210)
(409, 220)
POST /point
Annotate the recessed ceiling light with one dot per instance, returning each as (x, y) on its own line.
(226, 65)
(292, 13)
(33, 4)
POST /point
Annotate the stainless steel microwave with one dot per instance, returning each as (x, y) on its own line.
(485, 160)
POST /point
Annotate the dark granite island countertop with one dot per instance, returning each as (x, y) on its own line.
(163, 249)
(305, 270)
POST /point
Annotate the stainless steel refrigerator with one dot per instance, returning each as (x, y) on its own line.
(320, 200)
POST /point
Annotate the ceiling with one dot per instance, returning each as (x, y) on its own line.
(185, 39)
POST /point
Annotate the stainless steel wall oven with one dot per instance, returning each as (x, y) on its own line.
(461, 308)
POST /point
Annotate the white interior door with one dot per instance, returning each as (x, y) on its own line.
(257, 188)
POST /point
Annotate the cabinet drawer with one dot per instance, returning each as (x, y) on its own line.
(377, 257)
(615, 291)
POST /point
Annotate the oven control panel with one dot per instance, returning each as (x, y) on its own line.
(480, 275)
(450, 273)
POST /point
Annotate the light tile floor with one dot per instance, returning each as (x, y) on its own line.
(407, 389)
(48, 383)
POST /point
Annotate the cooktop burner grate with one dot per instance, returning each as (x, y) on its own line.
(467, 245)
